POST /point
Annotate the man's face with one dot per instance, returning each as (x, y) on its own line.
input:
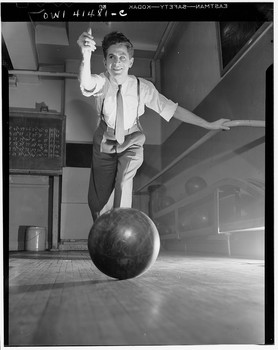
(117, 61)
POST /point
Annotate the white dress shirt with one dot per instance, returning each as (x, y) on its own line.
(106, 89)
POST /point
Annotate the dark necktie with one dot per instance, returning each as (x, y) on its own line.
(119, 126)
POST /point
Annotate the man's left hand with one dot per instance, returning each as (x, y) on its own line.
(219, 124)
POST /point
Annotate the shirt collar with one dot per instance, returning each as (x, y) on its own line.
(114, 82)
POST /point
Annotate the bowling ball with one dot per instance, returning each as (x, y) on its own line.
(185, 223)
(123, 243)
(200, 219)
(165, 230)
(195, 184)
(166, 202)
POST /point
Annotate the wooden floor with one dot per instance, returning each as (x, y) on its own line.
(60, 298)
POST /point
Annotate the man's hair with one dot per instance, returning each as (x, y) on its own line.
(116, 38)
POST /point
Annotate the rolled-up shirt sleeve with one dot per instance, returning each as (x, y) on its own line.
(159, 103)
(99, 80)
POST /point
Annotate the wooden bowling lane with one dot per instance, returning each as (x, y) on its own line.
(60, 298)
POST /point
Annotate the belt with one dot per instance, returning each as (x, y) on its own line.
(111, 131)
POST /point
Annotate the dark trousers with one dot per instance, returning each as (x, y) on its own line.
(113, 168)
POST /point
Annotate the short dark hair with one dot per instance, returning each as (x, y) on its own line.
(116, 38)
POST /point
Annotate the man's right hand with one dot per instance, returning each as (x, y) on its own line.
(86, 42)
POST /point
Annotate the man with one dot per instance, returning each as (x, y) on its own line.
(121, 99)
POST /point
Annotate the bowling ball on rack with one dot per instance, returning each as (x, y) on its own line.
(165, 230)
(185, 223)
(200, 219)
(195, 184)
(166, 201)
(123, 243)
